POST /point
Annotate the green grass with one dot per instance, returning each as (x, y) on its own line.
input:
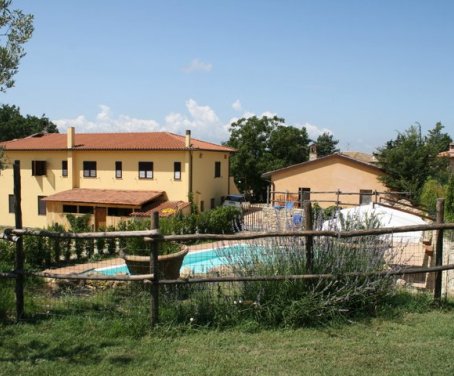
(398, 342)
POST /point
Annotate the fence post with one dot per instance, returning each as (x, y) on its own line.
(154, 269)
(309, 238)
(439, 248)
(19, 260)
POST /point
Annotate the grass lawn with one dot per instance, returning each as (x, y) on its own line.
(405, 344)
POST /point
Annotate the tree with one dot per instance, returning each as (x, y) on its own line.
(16, 28)
(326, 145)
(13, 125)
(436, 142)
(288, 145)
(430, 192)
(411, 159)
(263, 144)
(449, 204)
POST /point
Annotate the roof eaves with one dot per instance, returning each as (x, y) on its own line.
(269, 173)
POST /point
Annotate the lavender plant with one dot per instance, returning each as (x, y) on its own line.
(299, 302)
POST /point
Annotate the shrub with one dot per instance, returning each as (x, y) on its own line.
(7, 255)
(431, 191)
(449, 211)
(58, 245)
(222, 220)
(7, 299)
(101, 243)
(111, 242)
(296, 303)
(37, 251)
(80, 224)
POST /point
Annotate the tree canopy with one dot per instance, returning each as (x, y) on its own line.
(264, 144)
(412, 158)
(326, 144)
(16, 28)
(13, 125)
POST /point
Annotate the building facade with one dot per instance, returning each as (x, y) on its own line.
(347, 179)
(111, 176)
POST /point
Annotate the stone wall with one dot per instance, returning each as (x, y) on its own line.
(448, 258)
(282, 219)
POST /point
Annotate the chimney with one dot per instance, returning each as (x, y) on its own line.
(313, 152)
(70, 137)
(187, 140)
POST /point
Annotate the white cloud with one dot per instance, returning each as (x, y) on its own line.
(106, 122)
(201, 114)
(237, 105)
(198, 65)
(268, 114)
(202, 120)
(314, 131)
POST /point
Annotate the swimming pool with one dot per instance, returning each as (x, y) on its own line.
(196, 262)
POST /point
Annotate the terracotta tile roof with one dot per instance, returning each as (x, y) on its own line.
(105, 196)
(360, 160)
(359, 156)
(112, 141)
(165, 208)
(448, 153)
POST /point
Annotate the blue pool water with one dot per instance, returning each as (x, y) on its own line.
(198, 262)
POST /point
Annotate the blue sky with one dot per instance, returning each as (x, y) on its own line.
(360, 69)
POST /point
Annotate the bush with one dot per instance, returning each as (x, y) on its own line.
(449, 211)
(7, 299)
(37, 251)
(80, 224)
(7, 255)
(294, 303)
(60, 247)
(222, 220)
(431, 191)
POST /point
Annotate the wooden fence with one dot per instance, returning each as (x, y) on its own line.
(154, 238)
(334, 198)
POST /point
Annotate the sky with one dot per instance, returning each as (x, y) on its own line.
(361, 70)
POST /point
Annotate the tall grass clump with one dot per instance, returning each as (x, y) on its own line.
(292, 302)
(7, 252)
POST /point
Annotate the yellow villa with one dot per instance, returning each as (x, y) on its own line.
(351, 172)
(111, 176)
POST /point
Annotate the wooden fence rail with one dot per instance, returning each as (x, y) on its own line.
(243, 236)
(154, 238)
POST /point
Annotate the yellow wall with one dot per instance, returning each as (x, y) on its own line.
(32, 186)
(205, 185)
(329, 174)
(163, 179)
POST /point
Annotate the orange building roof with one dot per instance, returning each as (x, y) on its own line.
(105, 196)
(112, 141)
(359, 158)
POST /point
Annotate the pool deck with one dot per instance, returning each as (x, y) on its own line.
(117, 261)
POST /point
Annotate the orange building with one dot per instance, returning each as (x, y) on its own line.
(350, 178)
